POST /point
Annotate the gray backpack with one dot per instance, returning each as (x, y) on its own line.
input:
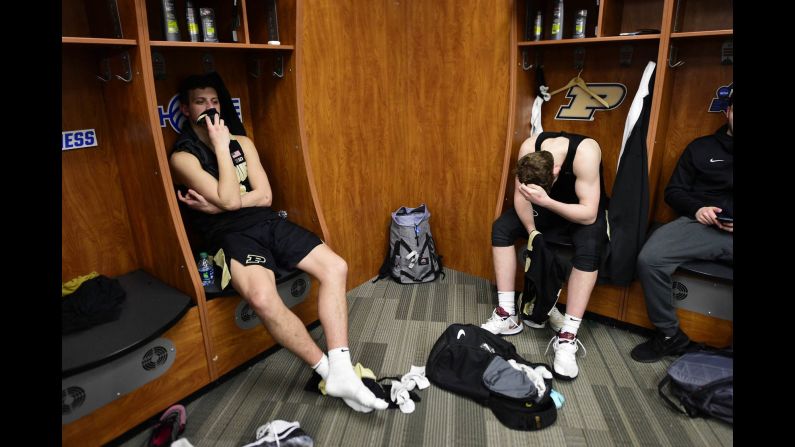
(411, 257)
(703, 384)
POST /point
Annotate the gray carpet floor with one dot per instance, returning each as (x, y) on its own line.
(614, 400)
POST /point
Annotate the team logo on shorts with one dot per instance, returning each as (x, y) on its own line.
(255, 259)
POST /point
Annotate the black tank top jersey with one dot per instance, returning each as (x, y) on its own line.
(563, 188)
(214, 226)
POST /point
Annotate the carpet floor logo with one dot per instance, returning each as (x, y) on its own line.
(173, 116)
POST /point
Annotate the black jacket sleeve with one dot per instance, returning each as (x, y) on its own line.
(678, 193)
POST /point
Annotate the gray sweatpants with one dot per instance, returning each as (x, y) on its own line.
(672, 244)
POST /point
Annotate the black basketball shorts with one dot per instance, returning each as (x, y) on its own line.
(276, 244)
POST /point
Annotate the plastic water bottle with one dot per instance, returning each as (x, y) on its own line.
(206, 270)
(557, 21)
(579, 24)
(538, 28)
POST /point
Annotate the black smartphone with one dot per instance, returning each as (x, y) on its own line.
(725, 219)
(209, 112)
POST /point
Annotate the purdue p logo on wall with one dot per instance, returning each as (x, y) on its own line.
(582, 106)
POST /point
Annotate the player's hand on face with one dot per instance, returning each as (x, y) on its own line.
(219, 133)
(534, 194)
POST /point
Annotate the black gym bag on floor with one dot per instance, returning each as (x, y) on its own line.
(460, 358)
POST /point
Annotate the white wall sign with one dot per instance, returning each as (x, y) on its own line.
(76, 139)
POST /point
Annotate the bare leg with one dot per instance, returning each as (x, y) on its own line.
(580, 286)
(257, 285)
(504, 268)
(332, 271)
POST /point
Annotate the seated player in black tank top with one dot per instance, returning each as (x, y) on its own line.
(558, 188)
(224, 176)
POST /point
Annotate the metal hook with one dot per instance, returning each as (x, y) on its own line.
(672, 53)
(525, 67)
(278, 66)
(536, 60)
(104, 70)
(125, 58)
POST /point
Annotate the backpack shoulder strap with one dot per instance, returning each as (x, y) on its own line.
(665, 381)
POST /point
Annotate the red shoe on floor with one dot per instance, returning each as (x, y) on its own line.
(170, 426)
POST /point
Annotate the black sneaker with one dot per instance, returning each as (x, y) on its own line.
(657, 347)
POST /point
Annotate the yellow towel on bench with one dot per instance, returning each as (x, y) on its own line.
(70, 286)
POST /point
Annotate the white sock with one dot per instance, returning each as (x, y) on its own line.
(571, 324)
(507, 301)
(322, 367)
(343, 382)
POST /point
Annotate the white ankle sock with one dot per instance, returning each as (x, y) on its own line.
(571, 324)
(342, 382)
(507, 301)
(322, 367)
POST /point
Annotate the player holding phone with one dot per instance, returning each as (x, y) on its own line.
(701, 191)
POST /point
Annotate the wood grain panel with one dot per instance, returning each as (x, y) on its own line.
(406, 103)
(522, 80)
(233, 345)
(141, 166)
(129, 19)
(92, 18)
(639, 14)
(701, 328)
(258, 20)
(694, 85)
(657, 140)
(606, 300)
(610, 17)
(73, 19)
(703, 15)
(95, 225)
(187, 374)
(278, 138)
(661, 101)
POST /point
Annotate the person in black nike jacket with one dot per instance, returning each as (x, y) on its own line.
(701, 190)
